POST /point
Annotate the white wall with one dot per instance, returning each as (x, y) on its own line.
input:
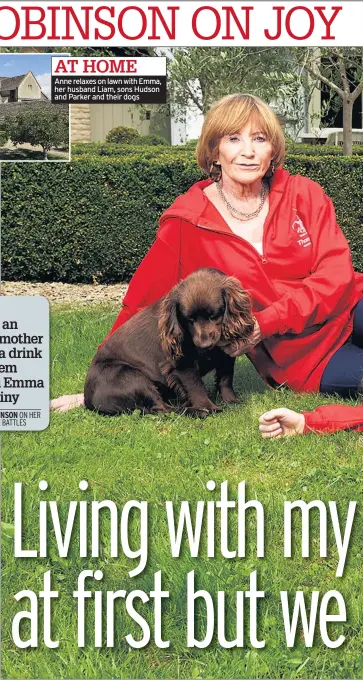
(190, 129)
(29, 88)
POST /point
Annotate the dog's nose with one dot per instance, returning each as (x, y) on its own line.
(206, 345)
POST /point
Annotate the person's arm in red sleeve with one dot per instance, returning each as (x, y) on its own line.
(158, 272)
(283, 422)
(335, 417)
(326, 290)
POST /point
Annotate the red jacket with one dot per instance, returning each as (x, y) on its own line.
(334, 417)
(303, 288)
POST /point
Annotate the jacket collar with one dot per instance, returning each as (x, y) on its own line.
(194, 206)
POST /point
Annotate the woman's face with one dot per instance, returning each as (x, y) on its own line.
(245, 157)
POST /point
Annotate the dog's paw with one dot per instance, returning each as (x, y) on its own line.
(228, 396)
(216, 409)
(231, 400)
(196, 412)
(201, 412)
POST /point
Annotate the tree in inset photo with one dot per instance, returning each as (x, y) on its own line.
(47, 128)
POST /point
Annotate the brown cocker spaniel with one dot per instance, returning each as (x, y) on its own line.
(161, 353)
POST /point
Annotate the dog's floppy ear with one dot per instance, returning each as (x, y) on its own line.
(238, 321)
(171, 332)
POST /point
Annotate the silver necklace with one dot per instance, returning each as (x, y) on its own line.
(238, 214)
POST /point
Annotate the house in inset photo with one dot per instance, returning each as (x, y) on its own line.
(31, 126)
(23, 88)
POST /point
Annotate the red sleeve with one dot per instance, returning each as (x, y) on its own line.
(158, 272)
(330, 283)
(331, 418)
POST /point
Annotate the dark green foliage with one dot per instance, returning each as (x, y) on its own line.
(190, 144)
(3, 137)
(342, 179)
(11, 109)
(152, 140)
(91, 219)
(95, 218)
(39, 127)
(294, 149)
(122, 135)
(112, 150)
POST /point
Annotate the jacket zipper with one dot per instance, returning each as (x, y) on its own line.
(269, 216)
(262, 257)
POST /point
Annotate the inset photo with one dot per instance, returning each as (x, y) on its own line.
(32, 128)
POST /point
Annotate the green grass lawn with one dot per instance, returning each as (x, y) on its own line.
(171, 458)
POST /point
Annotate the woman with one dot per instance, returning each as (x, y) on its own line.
(278, 234)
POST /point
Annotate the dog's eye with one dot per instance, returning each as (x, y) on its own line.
(190, 319)
(213, 317)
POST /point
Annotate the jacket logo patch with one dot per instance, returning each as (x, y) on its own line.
(299, 228)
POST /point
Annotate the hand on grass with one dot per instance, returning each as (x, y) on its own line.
(281, 422)
(240, 346)
(67, 402)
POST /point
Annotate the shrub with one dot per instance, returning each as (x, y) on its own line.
(190, 144)
(3, 137)
(295, 149)
(114, 150)
(152, 140)
(342, 179)
(41, 127)
(123, 150)
(122, 135)
(97, 216)
(94, 218)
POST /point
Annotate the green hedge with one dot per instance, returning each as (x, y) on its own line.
(3, 137)
(86, 220)
(112, 150)
(294, 149)
(108, 149)
(95, 218)
(342, 179)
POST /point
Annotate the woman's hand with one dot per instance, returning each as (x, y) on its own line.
(238, 347)
(67, 402)
(281, 422)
